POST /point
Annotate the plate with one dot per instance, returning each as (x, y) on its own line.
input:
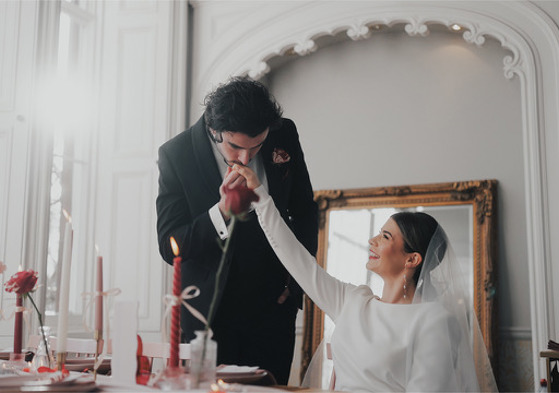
(45, 383)
(77, 364)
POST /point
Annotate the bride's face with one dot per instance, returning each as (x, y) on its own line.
(386, 251)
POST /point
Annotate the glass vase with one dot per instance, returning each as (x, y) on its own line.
(203, 351)
(43, 355)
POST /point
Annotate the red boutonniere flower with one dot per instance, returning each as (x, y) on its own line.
(280, 156)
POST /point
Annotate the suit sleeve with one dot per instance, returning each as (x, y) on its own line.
(302, 209)
(195, 235)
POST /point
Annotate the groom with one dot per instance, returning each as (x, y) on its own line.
(255, 320)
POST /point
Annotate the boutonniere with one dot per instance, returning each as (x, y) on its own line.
(280, 156)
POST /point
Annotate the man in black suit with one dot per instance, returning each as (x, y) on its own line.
(255, 320)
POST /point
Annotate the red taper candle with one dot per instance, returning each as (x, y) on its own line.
(18, 326)
(99, 298)
(175, 316)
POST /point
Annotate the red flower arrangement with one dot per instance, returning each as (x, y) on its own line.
(23, 284)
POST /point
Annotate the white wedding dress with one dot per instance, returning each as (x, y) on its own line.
(376, 346)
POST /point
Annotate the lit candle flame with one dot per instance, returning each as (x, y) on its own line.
(174, 246)
(220, 386)
(67, 215)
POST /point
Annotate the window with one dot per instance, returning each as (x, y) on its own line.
(67, 102)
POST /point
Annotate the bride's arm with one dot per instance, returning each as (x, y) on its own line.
(327, 292)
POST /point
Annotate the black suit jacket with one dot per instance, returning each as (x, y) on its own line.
(189, 183)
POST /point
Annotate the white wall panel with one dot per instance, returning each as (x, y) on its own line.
(9, 16)
(132, 245)
(5, 161)
(135, 108)
(135, 91)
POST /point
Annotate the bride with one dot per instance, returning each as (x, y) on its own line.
(418, 334)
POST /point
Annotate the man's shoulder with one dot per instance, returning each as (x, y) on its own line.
(287, 130)
(288, 125)
(177, 139)
(182, 140)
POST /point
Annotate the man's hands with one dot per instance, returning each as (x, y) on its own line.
(248, 174)
(237, 175)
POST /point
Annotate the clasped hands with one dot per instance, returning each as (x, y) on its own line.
(237, 175)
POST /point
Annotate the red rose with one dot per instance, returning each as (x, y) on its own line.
(238, 200)
(22, 282)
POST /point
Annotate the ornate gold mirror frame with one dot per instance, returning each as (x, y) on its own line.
(480, 194)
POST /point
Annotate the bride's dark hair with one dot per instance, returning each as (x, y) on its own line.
(417, 230)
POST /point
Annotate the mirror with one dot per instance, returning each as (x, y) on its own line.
(348, 218)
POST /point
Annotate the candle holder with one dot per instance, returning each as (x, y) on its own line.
(43, 356)
(60, 360)
(15, 364)
(171, 378)
(203, 359)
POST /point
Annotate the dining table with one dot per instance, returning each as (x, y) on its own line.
(85, 381)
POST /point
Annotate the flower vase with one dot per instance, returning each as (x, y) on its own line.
(203, 352)
(43, 355)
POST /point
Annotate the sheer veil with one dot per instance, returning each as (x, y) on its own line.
(440, 281)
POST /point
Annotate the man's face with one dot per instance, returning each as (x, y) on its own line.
(239, 148)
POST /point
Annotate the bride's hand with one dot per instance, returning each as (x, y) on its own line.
(248, 174)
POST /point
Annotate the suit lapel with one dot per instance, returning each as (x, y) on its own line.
(271, 173)
(205, 159)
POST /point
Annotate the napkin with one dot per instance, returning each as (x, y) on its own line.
(234, 369)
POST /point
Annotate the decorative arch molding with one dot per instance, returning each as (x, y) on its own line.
(267, 30)
(474, 33)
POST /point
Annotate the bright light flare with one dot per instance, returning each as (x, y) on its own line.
(65, 103)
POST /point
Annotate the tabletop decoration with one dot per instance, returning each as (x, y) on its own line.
(23, 283)
(98, 334)
(237, 204)
(173, 377)
(219, 387)
(100, 322)
(143, 368)
(64, 298)
(3, 268)
(175, 316)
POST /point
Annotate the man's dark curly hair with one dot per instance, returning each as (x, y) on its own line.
(242, 105)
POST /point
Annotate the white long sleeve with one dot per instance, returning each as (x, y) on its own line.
(326, 291)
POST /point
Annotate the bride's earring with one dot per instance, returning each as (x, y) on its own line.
(405, 287)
